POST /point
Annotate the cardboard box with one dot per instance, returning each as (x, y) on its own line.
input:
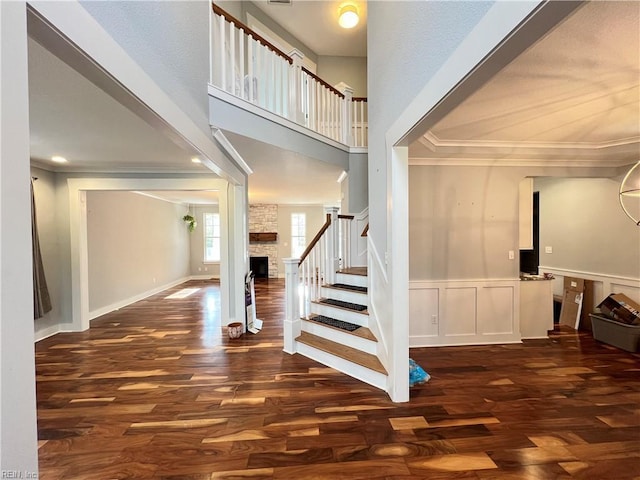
(618, 334)
(621, 308)
(572, 302)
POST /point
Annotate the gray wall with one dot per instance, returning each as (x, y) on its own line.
(275, 27)
(462, 222)
(396, 34)
(170, 41)
(47, 214)
(196, 242)
(350, 70)
(582, 220)
(135, 244)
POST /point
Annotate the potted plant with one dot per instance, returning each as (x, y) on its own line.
(190, 221)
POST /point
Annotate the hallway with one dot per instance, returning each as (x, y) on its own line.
(157, 390)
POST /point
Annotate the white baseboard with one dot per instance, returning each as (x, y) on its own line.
(136, 298)
(204, 277)
(49, 332)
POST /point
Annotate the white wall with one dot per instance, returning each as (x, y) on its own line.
(350, 70)
(315, 218)
(18, 437)
(136, 244)
(196, 241)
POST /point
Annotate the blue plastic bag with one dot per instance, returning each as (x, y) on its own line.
(416, 374)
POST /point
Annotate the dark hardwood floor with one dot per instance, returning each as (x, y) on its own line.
(157, 390)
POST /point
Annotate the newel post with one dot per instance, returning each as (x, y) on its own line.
(333, 260)
(292, 324)
(347, 116)
(296, 112)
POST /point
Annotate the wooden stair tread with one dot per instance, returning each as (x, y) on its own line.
(351, 354)
(362, 332)
(362, 271)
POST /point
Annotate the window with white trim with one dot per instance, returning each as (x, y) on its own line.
(298, 234)
(211, 237)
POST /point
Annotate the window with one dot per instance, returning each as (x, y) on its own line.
(211, 237)
(298, 234)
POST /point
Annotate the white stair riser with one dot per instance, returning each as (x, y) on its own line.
(351, 369)
(345, 296)
(342, 337)
(340, 314)
(347, 279)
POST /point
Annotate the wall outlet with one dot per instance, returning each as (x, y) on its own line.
(548, 249)
(512, 255)
(434, 319)
(199, 269)
(154, 279)
(206, 268)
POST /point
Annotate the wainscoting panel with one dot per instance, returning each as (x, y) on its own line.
(423, 305)
(496, 310)
(459, 303)
(464, 312)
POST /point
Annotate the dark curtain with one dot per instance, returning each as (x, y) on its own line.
(41, 298)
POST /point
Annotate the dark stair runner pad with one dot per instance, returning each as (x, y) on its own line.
(340, 303)
(350, 287)
(335, 323)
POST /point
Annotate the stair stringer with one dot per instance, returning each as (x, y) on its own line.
(364, 374)
(381, 347)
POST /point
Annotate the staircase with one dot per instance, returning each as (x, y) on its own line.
(336, 331)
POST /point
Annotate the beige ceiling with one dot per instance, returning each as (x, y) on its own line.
(71, 117)
(573, 96)
(315, 23)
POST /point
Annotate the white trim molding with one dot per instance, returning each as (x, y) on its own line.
(464, 312)
(603, 283)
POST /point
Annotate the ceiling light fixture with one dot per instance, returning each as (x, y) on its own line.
(196, 160)
(630, 191)
(58, 159)
(348, 17)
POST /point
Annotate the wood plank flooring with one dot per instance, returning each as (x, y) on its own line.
(157, 391)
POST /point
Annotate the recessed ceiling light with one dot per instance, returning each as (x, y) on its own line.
(196, 160)
(58, 159)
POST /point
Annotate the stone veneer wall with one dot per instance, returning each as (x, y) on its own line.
(264, 218)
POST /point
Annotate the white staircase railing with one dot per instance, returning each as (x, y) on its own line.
(305, 277)
(249, 67)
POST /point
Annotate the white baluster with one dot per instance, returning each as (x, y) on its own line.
(241, 49)
(232, 57)
(250, 65)
(223, 69)
(362, 137)
(292, 326)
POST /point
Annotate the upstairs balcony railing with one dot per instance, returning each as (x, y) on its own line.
(249, 67)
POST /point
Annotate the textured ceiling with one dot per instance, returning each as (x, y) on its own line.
(576, 90)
